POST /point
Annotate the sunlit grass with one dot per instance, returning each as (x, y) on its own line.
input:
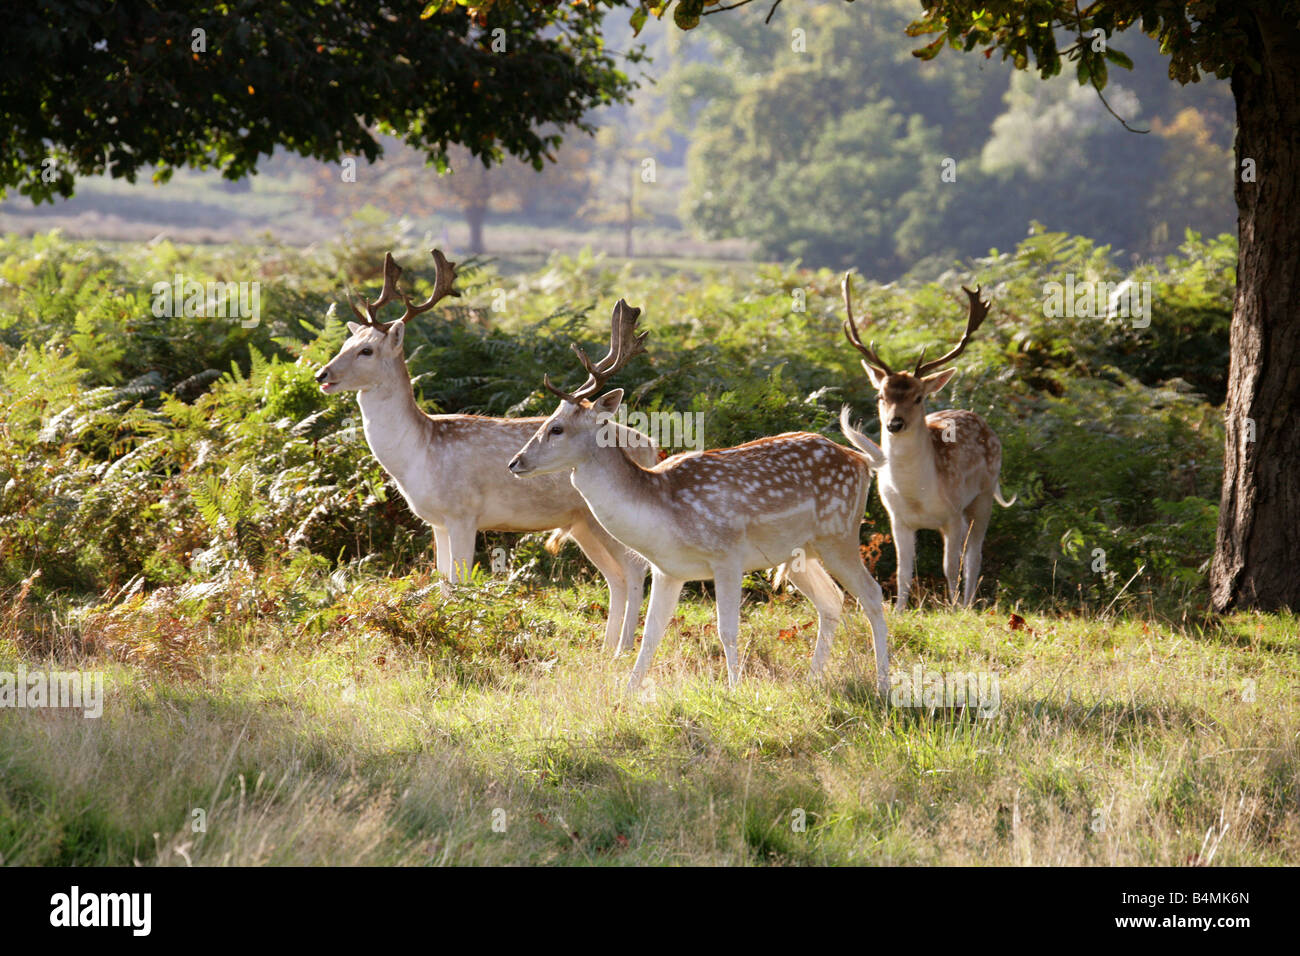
(400, 727)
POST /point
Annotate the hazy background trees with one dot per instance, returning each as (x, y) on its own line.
(817, 137)
(836, 154)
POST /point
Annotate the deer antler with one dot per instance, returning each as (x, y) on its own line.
(443, 286)
(392, 272)
(625, 343)
(851, 330)
(444, 281)
(979, 310)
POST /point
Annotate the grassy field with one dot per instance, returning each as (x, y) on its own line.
(182, 510)
(397, 726)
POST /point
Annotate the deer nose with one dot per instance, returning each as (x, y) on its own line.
(322, 375)
(516, 463)
(895, 425)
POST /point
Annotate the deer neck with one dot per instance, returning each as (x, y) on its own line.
(910, 452)
(393, 423)
(624, 497)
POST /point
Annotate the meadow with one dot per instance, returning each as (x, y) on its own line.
(286, 682)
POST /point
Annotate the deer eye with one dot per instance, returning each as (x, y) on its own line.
(367, 351)
(919, 398)
(557, 429)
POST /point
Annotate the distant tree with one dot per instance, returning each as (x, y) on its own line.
(403, 183)
(822, 137)
(800, 146)
(1197, 169)
(557, 193)
(831, 191)
(98, 86)
(623, 167)
(473, 189)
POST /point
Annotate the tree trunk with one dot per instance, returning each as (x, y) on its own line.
(474, 216)
(631, 210)
(1257, 557)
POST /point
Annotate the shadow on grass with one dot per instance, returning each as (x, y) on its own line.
(280, 787)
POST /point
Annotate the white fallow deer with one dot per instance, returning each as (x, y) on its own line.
(714, 515)
(941, 470)
(452, 468)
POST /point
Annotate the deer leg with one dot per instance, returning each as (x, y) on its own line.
(634, 568)
(664, 591)
(461, 537)
(727, 588)
(442, 547)
(442, 550)
(820, 588)
(977, 513)
(596, 547)
(843, 560)
(954, 535)
(905, 551)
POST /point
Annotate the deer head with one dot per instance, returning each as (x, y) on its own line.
(901, 395)
(374, 349)
(573, 432)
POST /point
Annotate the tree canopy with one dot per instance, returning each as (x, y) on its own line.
(102, 86)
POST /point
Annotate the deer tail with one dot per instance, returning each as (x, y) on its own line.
(556, 540)
(874, 454)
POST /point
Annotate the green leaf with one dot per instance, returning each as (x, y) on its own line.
(930, 50)
(922, 27)
(1118, 58)
(687, 13)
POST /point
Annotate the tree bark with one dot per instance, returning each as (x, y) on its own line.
(630, 213)
(474, 216)
(1257, 556)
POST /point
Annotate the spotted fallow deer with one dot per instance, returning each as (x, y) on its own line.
(714, 515)
(941, 470)
(452, 468)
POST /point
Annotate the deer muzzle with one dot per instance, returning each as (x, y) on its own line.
(323, 380)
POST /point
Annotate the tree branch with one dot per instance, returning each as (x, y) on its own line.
(739, 3)
(1092, 77)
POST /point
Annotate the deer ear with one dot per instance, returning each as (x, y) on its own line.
(877, 377)
(396, 332)
(608, 403)
(355, 327)
(938, 380)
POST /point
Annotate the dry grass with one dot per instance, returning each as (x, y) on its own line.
(388, 726)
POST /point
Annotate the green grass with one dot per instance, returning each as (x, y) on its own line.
(380, 723)
(224, 547)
